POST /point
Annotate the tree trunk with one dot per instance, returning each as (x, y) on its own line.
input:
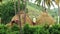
(15, 6)
(24, 11)
(0, 20)
(58, 14)
(19, 17)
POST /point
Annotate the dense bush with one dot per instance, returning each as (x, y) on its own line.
(55, 29)
(7, 30)
(7, 11)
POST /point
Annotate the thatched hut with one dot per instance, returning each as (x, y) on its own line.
(24, 19)
(45, 18)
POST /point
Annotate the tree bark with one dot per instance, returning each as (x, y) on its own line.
(19, 17)
(24, 2)
(58, 13)
(15, 6)
(0, 20)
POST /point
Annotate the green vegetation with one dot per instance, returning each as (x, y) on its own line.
(6, 30)
(7, 11)
(55, 29)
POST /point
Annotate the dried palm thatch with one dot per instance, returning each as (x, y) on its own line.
(8, 25)
(45, 18)
(15, 19)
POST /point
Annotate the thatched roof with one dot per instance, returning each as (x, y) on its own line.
(45, 18)
(22, 14)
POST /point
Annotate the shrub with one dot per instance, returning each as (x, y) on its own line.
(55, 29)
(2, 29)
(7, 11)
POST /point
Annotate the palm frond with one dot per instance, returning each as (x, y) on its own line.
(48, 2)
(38, 2)
(57, 2)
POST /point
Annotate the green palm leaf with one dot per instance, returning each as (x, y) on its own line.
(38, 2)
(48, 2)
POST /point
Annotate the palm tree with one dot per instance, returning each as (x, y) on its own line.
(47, 2)
(57, 3)
(38, 2)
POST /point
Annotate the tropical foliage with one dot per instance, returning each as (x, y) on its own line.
(55, 29)
(7, 11)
